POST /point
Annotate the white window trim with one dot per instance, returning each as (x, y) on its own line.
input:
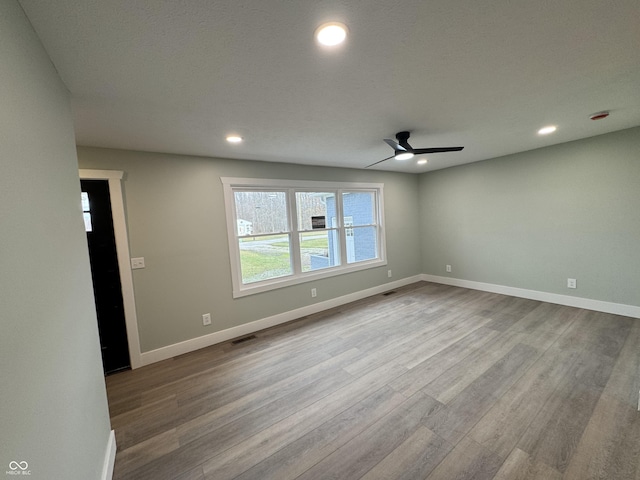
(241, 290)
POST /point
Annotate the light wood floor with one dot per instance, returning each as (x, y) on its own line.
(430, 382)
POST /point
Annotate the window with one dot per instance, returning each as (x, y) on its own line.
(319, 241)
(284, 232)
(263, 235)
(86, 212)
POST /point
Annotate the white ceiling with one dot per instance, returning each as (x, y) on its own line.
(176, 76)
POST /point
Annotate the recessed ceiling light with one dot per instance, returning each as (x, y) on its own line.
(234, 138)
(331, 34)
(422, 161)
(547, 130)
(403, 156)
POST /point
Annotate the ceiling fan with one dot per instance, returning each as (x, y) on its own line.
(403, 151)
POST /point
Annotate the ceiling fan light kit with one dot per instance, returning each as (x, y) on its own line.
(403, 156)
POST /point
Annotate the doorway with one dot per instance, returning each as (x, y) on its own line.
(107, 287)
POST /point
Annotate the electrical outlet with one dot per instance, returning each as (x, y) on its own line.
(389, 273)
(448, 268)
(137, 262)
(206, 319)
(314, 293)
(571, 283)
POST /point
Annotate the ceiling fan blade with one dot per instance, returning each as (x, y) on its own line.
(422, 151)
(383, 160)
(395, 145)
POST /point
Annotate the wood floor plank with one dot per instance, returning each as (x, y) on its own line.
(436, 332)
(145, 452)
(520, 466)
(219, 416)
(145, 422)
(460, 327)
(186, 406)
(416, 457)
(244, 372)
(193, 474)
(209, 393)
(610, 445)
(458, 417)
(254, 449)
(431, 381)
(370, 447)
(467, 461)
(387, 346)
(456, 297)
(597, 332)
(461, 300)
(546, 324)
(297, 457)
(624, 381)
(506, 317)
(547, 317)
(554, 434)
(454, 380)
(542, 340)
(504, 424)
(231, 434)
(485, 304)
(430, 369)
(120, 403)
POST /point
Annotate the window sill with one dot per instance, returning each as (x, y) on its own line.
(282, 282)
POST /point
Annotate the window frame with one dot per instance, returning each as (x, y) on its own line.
(232, 184)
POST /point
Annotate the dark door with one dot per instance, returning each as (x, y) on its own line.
(96, 204)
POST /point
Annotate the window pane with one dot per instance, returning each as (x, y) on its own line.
(85, 201)
(260, 213)
(264, 257)
(319, 250)
(359, 207)
(318, 206)
(88, 227)
(361, 244)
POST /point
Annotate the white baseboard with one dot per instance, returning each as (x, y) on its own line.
(579, 302)
(197, 343)
(109, 457)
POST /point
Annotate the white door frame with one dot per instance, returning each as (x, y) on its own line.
(114, 177)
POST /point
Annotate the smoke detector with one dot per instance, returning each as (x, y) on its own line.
(599, 115)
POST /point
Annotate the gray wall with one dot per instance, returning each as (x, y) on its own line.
(53, 408)
(176, 220)
(534, 219)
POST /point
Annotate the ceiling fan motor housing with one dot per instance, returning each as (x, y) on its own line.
(403, 138)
